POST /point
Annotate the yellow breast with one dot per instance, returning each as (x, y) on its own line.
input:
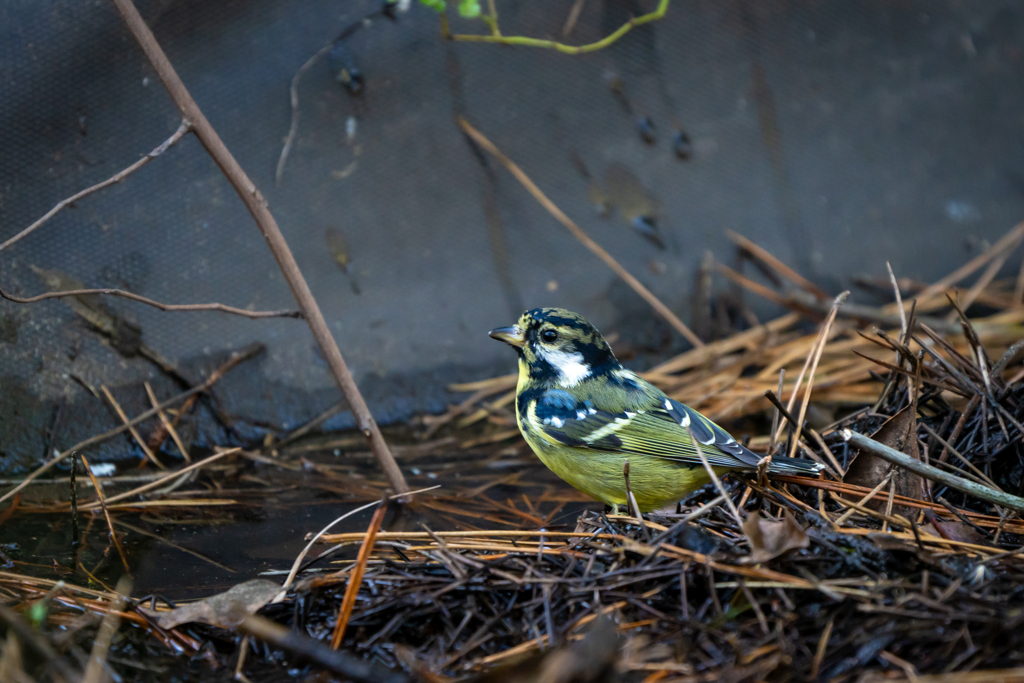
(655, 482)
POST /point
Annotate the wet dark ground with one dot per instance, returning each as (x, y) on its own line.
(251, 519)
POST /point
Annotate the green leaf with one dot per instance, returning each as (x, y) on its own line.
(470, 9)
(37, 613)
(436, 5)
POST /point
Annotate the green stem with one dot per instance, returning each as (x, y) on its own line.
(658, 13)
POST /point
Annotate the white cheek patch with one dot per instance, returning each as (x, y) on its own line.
(569, 365)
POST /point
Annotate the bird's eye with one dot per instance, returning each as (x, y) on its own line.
(548, 336)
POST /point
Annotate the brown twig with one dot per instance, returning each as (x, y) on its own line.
(972, 294)
(632, 507)
(166, 424)
(800, 376)
(355, 577)
(662, 310)
(236, 358)
(95, 670)
(257, 206)
(106, 513)
(92, 440)
(819, 654)
(184, 128)
(715, 479)
(775, 264)
(1003, 244)
(899, 303)
(822, 340)
(302, 554)
(958, 427)
(149, 302)
(158, 482)
(757, 288)
(865, 499)
(131, 428)
(780, 409)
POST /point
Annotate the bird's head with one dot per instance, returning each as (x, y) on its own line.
(558, 346)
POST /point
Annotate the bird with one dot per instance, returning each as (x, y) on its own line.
(585, 416)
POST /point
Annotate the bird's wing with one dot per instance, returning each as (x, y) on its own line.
(662, 429)
(572, 422)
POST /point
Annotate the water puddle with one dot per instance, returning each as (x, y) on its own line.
(249, 516)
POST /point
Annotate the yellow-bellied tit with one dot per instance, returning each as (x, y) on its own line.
(585, 415)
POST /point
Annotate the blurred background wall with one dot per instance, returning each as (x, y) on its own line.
(836, 134)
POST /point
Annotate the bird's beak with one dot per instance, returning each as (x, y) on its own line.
(512, 336)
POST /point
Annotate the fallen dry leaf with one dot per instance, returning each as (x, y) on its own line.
(953, 529)
(224, 609)
(898, 432)
(770, 538)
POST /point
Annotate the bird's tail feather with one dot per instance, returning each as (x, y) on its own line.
(784, 465)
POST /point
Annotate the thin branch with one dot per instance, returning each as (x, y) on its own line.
(714, 477)
(99, 438)
(131, 428)
(106, 513)
(779, 409)
(803, 370)
(658, 13)
(822, 340)
(293, 90)
(96, 669)
(899, 304)
(163, 480)
(778, 266)
(293, 130)
(1003, 244)
(257, 206)
(808, 306)
(184, 128)
(970, 465)
(663, 310)
(355, 577)
(149, 302)
(308, 649)
(864, 500)
(168, 427)
(302, 555)
(928, 472)
(983, 282)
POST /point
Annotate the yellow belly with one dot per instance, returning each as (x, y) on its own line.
(655, 482)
